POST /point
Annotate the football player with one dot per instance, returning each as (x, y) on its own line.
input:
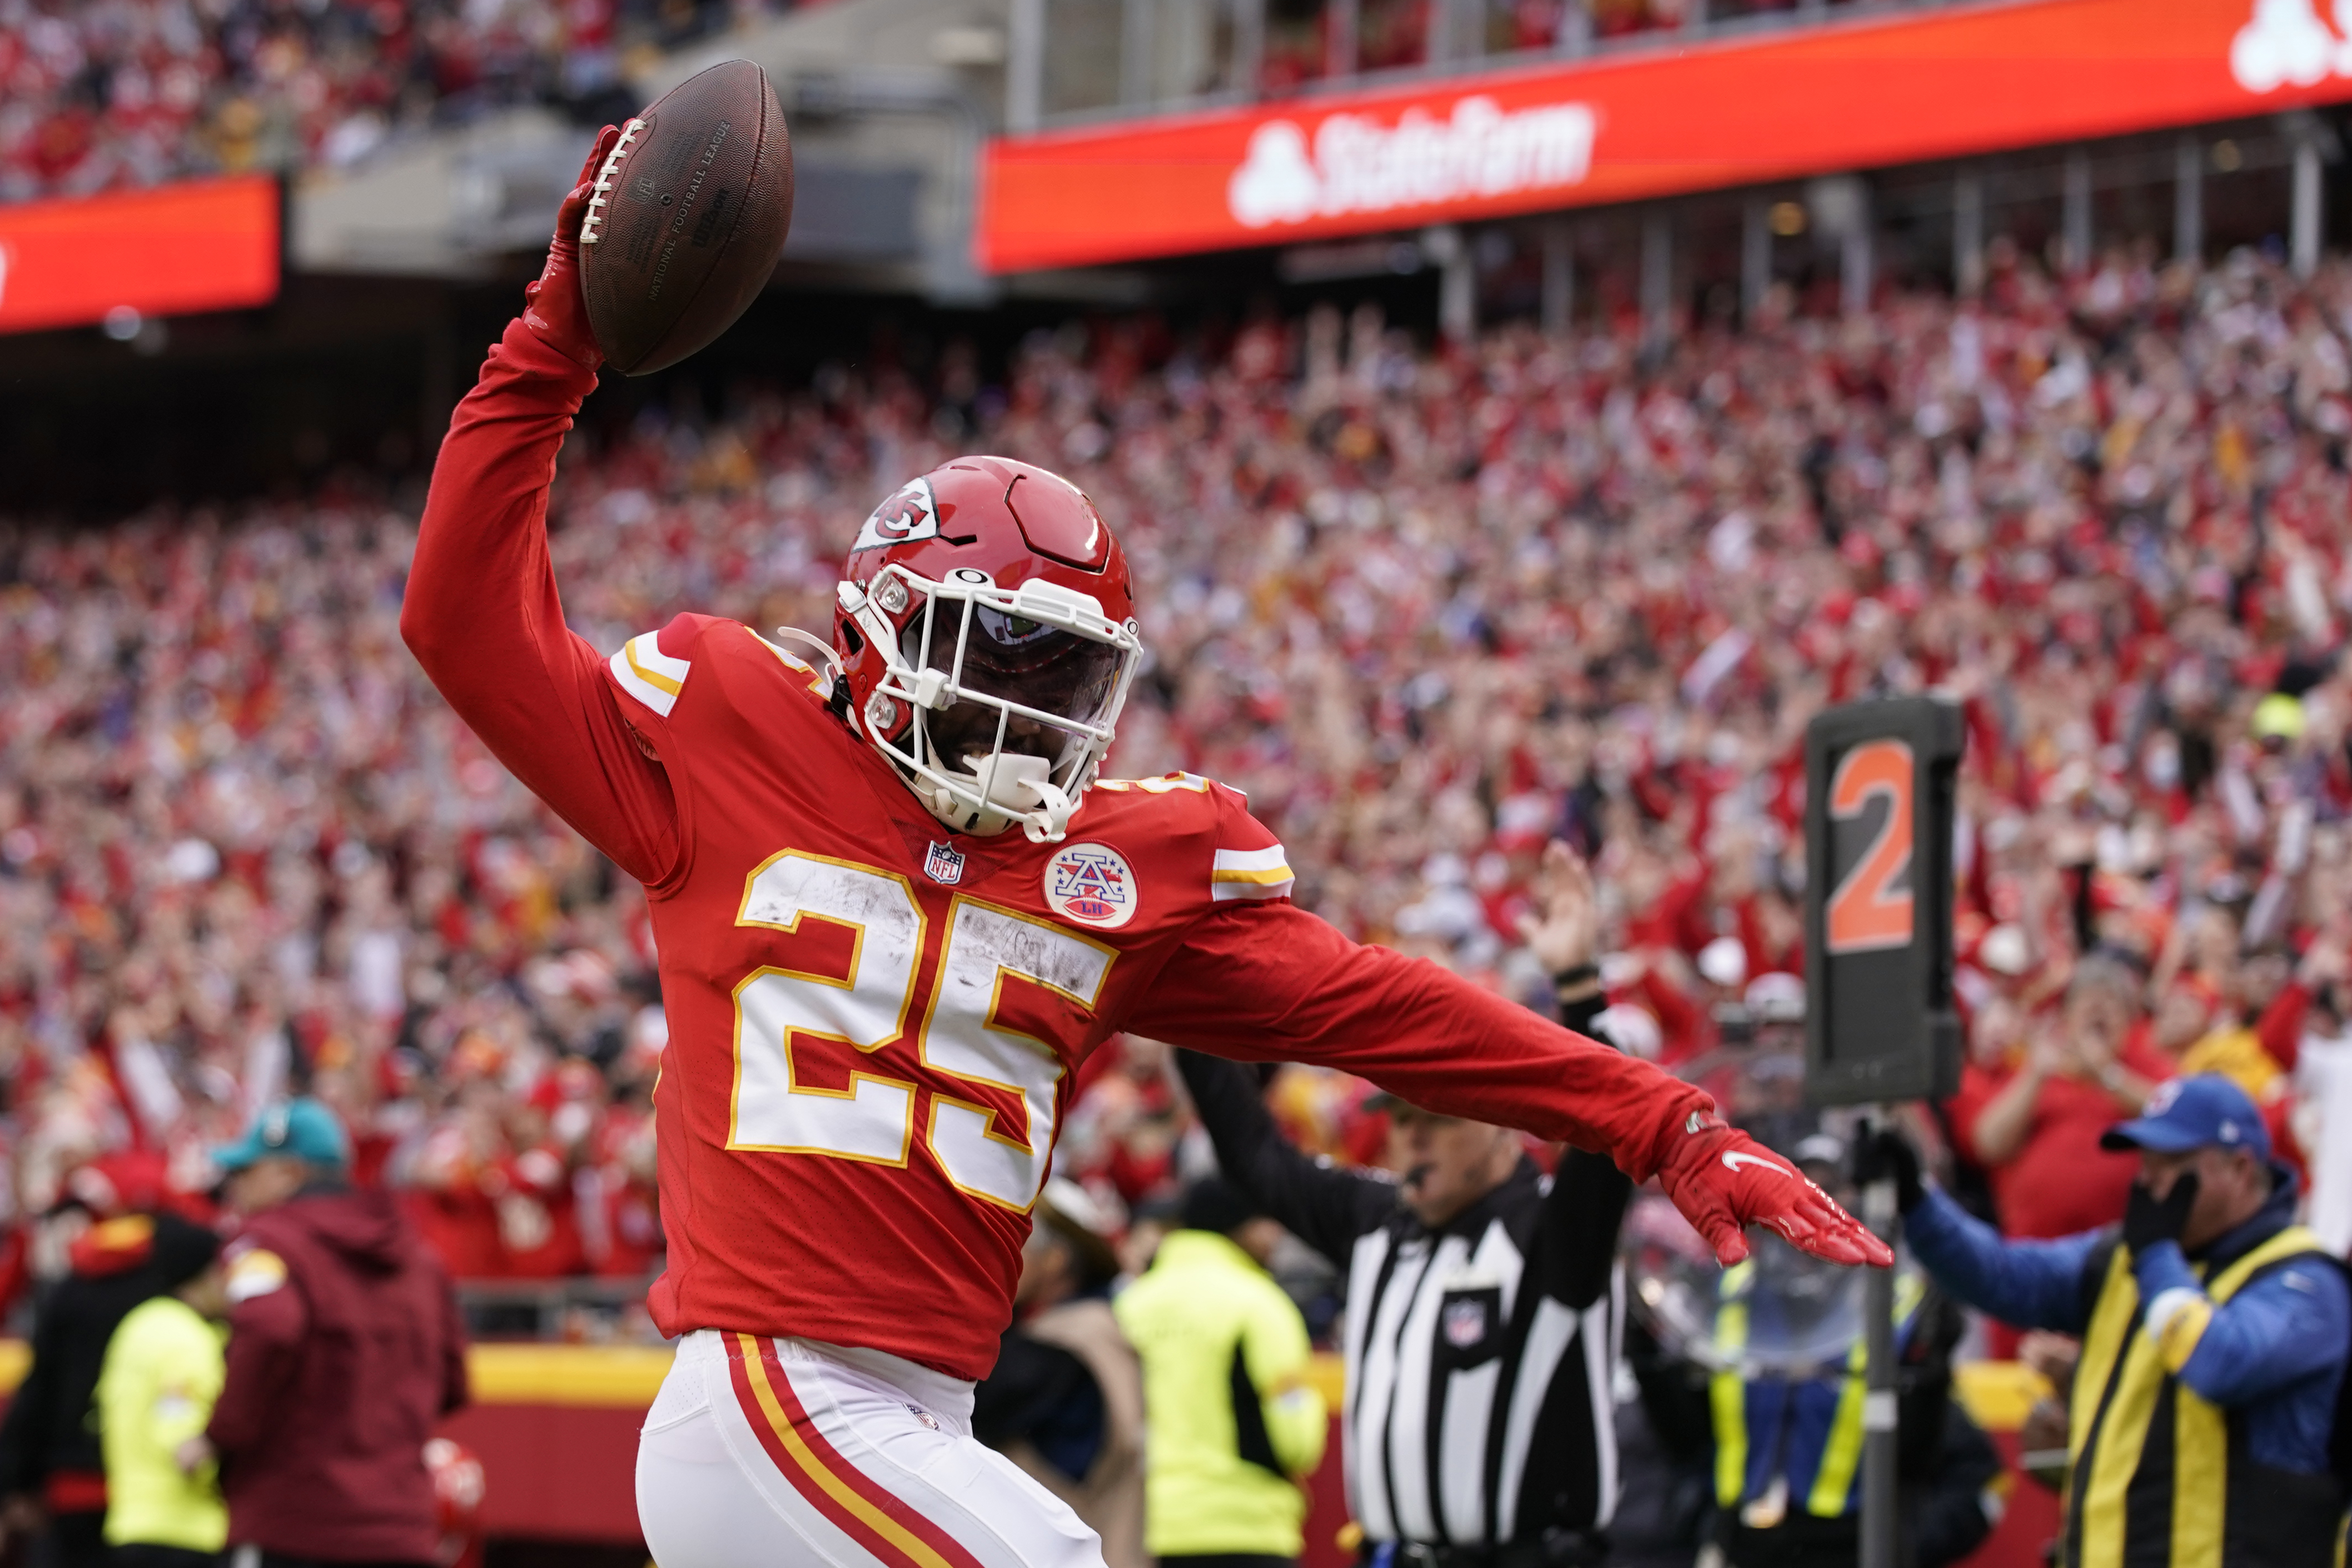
(896, 908)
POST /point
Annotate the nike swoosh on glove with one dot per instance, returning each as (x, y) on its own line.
(1723, 1181)
(553, 306)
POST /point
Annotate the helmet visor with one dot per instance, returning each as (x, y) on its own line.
(1055, 671)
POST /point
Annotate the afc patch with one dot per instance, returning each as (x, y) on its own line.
(1091, 885)
(944, 864)
(910, 512)
(1464, 1321)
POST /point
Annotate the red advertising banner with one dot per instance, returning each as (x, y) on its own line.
(1839, 96)
(201, 244)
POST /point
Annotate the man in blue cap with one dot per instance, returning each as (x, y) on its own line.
(2214, 1336)
(344, 1352)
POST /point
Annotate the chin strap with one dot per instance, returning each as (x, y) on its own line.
(1046, 823)
(1049, 822)
(829, 658)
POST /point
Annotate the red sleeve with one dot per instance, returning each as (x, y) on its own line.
(1265, 981)
(483, 618)
(2281, 1026)
(265, 1355)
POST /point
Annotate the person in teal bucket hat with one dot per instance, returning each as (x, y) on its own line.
(330, 1292)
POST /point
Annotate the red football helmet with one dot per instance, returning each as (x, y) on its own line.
(987, 635)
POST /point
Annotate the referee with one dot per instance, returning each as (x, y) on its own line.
(1484, 1309)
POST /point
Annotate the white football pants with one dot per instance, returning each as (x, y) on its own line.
(763, 1453)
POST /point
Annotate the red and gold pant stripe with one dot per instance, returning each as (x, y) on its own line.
(881, 1522)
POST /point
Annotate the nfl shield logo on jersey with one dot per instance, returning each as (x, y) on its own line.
(1464, 1321)
(944, 864)
(1091, 885)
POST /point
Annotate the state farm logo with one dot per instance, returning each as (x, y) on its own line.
(1359, 165)
(2286, 44)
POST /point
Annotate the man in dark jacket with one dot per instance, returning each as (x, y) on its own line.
(344, 1350)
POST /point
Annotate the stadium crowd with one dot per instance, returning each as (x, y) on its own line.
(96, 95)
(1430, 609)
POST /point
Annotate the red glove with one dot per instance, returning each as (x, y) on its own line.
(553, 306)
(1723, 1180)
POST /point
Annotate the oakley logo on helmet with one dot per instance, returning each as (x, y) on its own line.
(913, 513)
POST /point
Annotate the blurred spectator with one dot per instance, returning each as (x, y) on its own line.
(2213, 1333)
(1234, 1427)
(161, 1373)
(330, 1292)
(1788, 1409)
(2035, 1122)
(52, 1470)
(1066, 1400)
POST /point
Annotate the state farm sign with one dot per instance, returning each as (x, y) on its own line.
(1855, 95)
(1359, 165)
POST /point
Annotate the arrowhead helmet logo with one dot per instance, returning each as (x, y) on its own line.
(913, 512)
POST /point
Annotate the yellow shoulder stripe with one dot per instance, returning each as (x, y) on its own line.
(648, 675)
(654, 678)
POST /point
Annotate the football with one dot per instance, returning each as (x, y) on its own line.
(688, 217)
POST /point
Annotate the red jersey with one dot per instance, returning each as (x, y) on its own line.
(875, 1022)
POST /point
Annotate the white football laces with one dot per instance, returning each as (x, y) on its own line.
(612, 166)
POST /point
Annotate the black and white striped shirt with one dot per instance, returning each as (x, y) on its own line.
(1480, 1354)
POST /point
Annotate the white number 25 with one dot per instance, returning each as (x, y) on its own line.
(963, 1042)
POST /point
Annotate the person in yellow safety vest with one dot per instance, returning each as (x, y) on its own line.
(162, 1372)
(2214, 1332)
(1232, 1424)
(1789, 1428)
